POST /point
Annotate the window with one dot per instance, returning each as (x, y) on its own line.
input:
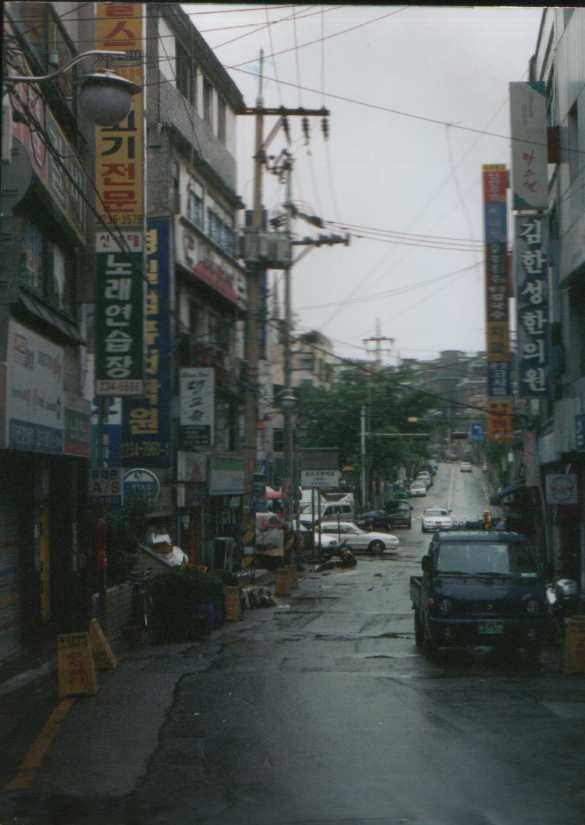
(576, 344)
(195, 319)
(221, 114)
(50, 47)
(185, 74)
(220, 331)
(213, 227)
(48, 269)
(195, 211)
(573, 136)
(278, 440)
(207, 102)
(176, 171)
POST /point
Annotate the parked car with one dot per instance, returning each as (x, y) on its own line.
(480, 588)
(357, 539)
(417, 488)
(401, 512)
(465, 467)
(436, 518)
(374, 520)
(425, 478)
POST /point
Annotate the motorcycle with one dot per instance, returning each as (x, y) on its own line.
(564, 602)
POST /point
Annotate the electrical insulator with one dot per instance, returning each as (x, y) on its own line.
(325, 128)
(306, 128)
(286, 129)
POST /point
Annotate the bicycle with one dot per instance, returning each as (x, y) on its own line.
(141, 599)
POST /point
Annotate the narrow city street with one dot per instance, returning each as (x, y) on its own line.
(319, 710)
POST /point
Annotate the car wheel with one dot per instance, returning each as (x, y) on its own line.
(418, 630)
(376, 547)
(422, 529)
(429, 645)
(409, 523)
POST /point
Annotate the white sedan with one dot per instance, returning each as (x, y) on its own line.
(436, 518)
(356, 539)
(417, 488)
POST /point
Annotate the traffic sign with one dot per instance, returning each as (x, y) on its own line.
(139, 482)
(477, 432)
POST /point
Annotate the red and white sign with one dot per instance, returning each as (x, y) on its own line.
(562, 489)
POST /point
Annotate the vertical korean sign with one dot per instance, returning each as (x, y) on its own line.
(531, 277)
(529, 145)
(197, 403)
(119, 297)
(496, 299)
(146, 421)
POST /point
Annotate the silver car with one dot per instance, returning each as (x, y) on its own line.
(356, 539)
(417, 488)
(436, 518)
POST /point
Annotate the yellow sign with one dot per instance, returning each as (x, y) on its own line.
(574, 646)
(500, 421)
(76, 665)
(498, 341)
(102, 654)
(119, 149)
(233, 608)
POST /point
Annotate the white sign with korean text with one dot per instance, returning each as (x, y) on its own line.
(319, 478)
(529, 145)
(34, 392)
(197, 413)
(561, 489)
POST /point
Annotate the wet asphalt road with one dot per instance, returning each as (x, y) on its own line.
(319, 711)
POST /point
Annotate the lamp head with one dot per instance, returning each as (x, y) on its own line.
(105, 97)
(288, 400)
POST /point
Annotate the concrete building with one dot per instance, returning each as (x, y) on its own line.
(46, 270)
(551, 461)
(193, 207)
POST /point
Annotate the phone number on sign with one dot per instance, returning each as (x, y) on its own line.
(119, 387)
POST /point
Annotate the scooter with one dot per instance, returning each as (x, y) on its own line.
(564, 602)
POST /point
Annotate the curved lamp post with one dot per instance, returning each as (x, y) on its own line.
(105, 97)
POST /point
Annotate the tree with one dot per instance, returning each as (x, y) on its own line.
(332, 417)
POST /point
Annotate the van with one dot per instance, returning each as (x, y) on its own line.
(343, 510)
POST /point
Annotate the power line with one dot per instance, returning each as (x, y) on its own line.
(398, 291)
(336, 34)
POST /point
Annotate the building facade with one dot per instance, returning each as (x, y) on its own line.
(553, 457)
(193, 210)
(46, 272)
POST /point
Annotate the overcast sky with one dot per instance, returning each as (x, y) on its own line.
(419, 101)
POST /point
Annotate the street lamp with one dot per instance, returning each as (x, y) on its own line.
(105, 97)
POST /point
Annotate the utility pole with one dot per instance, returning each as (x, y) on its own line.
(253, 342)
(377, 339)
(255, 268)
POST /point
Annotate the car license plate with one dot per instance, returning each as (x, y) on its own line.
(491, 627)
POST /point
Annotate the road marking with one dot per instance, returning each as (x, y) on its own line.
(32, 761)
(449, 497)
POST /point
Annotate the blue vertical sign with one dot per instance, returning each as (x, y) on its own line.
(146, 420)
(477, 432)
(532, 302)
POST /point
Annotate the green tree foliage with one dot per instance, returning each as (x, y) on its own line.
(332, 417)
(126, 529)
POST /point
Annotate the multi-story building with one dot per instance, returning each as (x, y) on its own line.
(312, 362)
(192, 208)
(552, 460)
(46, 273)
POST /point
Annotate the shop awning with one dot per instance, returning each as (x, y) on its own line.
(507, 491)
(51, 317)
